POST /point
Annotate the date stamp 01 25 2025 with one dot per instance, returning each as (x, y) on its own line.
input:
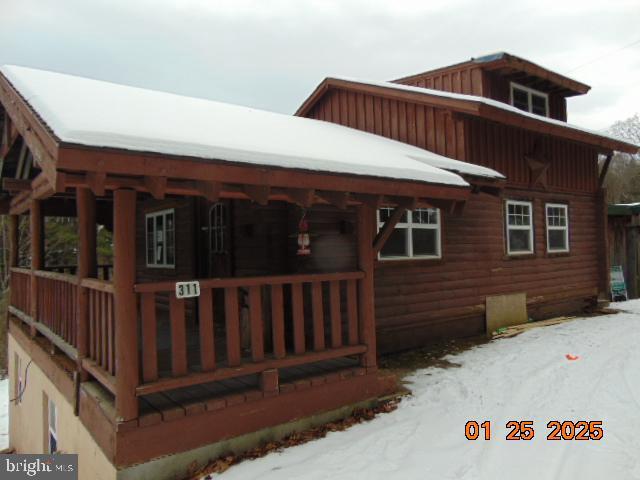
(524, 430)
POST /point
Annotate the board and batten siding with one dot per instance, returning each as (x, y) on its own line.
(426, 127)
(473, 80)
(469, 80)
(418, 301)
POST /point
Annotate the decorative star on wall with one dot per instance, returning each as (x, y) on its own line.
(539, 165)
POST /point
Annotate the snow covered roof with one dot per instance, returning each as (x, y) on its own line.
(503, 60)
(100, 114)
(472, 99)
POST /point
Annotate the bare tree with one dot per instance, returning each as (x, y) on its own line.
(623, 178)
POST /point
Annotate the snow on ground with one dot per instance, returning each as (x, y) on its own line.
(4, 414)
(526, 377)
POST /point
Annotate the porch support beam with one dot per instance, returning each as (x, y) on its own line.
(10, 135)
(604, 170)
(258, 193)
(372, 201)
(157, 186)
(37, 257)
(337, 199)
(444, 205)
(14, 241)
(87, 267)
(367, 323)
(124, 269)
(301, 196)
(210, 190)
(386, 230)
(80, 159)
(96, 182)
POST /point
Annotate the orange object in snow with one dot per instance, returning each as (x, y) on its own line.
(572, 357)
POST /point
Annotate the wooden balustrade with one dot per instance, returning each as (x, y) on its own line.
(56, 304)
(105, 272)
(100, 322)
(266, 323)
(21, 289)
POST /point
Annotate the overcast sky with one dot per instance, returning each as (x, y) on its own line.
(271, 54)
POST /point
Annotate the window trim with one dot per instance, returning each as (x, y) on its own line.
(565, 207)
(519, 227)
(52, 432)
(17, 393)
(154, 215)
(409, 226)
(529, 91)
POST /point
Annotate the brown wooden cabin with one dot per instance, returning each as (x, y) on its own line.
(508, 114)
(273, 336)
(623, 231)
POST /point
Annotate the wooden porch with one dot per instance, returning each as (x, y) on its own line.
(251, 351)
(148, 360)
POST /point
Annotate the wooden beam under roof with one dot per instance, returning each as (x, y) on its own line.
(41, 142)
(337, 199)
(301, 196)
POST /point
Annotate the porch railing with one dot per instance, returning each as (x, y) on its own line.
(285, 321)
(56, 304)
(101, 330)
(236, 327)
(21, 289)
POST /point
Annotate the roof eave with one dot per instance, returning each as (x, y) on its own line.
(471, 107)
(604, 144)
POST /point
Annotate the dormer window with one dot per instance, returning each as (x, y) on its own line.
(529, 100)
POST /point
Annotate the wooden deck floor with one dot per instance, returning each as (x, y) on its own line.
(172, 404)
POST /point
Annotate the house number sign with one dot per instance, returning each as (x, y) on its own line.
(187, 289)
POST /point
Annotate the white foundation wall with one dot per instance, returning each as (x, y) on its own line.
(27, 426)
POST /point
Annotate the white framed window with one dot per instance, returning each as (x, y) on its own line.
(519, 226)
(529, 100)
(557, 227)
(53, 427)
(17, 369)
(416, 235)
(160, 232)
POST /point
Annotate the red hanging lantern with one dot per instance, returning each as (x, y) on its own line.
(304, 241)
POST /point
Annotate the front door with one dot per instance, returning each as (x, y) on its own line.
(216, 239)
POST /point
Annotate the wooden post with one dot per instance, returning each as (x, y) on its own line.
(632, 261)
(366, 217)
(87, 268)
(14, 241)
(603, 237)
(37, 243)
(124, 277)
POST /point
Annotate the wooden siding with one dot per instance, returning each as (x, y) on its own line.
(467, 79)
(333, 240)
(473, 80)
(260, 238)
(499, 88)
(420, 301)
(426, 127)
(265, 239)
(498, 146)
(573, 167)
(184, 239)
